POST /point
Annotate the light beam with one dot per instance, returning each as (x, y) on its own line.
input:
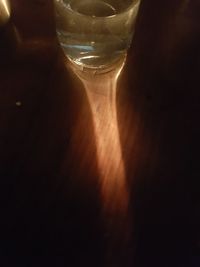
(101, 91)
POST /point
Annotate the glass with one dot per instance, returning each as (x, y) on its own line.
(95, 33)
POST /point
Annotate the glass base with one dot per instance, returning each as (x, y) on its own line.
(98, 68)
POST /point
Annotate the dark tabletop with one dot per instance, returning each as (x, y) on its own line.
(70, 197)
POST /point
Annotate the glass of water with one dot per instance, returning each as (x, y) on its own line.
(95, 33)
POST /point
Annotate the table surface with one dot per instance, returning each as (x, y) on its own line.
(96, 171)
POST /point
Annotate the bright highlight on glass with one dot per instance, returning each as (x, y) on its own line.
(95, 33)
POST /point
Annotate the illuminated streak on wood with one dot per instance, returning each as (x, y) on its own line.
(4, 11)
(101, 92)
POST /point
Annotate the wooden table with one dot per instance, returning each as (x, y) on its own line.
(96, 171)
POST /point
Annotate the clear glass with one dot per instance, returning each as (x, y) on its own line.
(95, 33)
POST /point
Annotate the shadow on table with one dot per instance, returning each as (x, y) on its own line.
(49, 192)
(160, 124)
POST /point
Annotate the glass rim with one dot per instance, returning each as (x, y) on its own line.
(134, 3)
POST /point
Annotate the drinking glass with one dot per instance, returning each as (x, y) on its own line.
(95, 33)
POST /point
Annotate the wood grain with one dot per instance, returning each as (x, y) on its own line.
(53, 210)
